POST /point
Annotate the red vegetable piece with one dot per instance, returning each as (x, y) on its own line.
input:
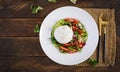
(75, 28)
(67, 50)
(79, 31)
(69, 19)
(67, 44)
(64, 49)
(74, 21)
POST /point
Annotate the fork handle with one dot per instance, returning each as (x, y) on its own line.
(104, 48)
(98, 48)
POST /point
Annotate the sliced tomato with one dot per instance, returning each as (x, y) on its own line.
(75, 42)
(67, 50)
(74, 21)
(67, 44)
(80, 45)
(69, 19)
(79, 31)
(64, 49)
(75, 28)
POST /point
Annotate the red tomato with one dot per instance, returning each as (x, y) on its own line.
(75, 28)
(64, 49)
(67, 44)
(67, 50)
(74, 21)
(81, 45)
(69, 19)
(79, 31)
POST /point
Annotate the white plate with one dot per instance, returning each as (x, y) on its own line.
(66, 12)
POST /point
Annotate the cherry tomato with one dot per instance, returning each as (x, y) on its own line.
(74, 21)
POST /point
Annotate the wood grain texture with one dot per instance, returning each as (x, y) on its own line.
(41, 64)
(19, 27)
(21, 8)
(20, 46)
(17, 39)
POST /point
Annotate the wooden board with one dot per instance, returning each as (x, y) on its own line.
(20, 50)
(29, 46)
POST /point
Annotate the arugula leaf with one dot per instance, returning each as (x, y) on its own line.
(76, 33)
(92, 62)
(36, 29)
(36, 9)
(71, 47)
(55, 43)
(79, 49)
(52, 1)
(58, 24)
(73, 1)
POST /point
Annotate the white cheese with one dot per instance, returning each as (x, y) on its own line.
(63, 34)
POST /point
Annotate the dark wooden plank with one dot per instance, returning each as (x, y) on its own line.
(24, 26)
(117, 20)
(18, 27)
(20, 46)
(41, 64)
(21, 8)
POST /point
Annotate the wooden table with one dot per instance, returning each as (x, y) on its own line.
(20, 50)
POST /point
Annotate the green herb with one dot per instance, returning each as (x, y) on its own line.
(77, 34)
(79, 49)
(68, 24)
(84, 34)
(92, 62)
(52, 1)
(71, 47)
(55, 43)
(36, 9)
(62, 51)
(58, 24)
(85, 38)
(73, 1)
(36, 29)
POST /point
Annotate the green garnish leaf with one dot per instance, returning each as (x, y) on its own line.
(36, 29)
(77, 34)
(55, 43)
(52, 1)
(80, 26)
(73, 1)
(92, 62)
(58, 24)
(36, 9)
(62, 51)
(85, 39)
(79, 49)
(71, 47)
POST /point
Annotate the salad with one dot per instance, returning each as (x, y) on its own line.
(78, 33)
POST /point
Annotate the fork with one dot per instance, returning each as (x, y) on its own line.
(102, 22)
